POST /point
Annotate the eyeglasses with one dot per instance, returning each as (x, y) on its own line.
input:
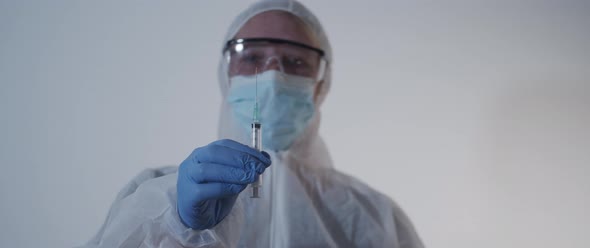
(248, 56)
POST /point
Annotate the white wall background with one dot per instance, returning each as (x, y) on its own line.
(473, 115)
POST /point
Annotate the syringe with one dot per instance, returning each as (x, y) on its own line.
(256, 142)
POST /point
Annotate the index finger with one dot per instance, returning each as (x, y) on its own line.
(262, 156)
(231, 153)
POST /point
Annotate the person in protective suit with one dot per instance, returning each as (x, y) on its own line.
(277, 54)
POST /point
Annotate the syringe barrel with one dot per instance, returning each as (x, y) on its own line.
(257, 144)
(257, 136)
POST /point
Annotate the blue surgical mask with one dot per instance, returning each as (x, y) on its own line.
(285, 105)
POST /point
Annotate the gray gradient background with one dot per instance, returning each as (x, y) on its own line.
(474, 115)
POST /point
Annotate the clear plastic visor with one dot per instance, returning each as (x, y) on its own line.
(247, 57)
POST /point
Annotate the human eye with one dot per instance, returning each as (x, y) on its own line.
(296, 61)
(251, 58)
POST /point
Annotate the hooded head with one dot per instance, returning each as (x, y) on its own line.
(285, 20)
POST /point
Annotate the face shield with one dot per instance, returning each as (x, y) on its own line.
(246, 57)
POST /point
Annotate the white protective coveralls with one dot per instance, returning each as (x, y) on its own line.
(305, 202)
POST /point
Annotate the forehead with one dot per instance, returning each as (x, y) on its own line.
(277, 24)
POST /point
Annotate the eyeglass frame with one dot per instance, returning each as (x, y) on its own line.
(232, 42)
(323, 65)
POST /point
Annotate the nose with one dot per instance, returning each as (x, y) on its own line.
(273, 63)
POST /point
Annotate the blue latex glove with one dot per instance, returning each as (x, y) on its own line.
(211, 178)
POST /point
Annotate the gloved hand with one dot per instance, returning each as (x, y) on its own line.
(211, 178)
